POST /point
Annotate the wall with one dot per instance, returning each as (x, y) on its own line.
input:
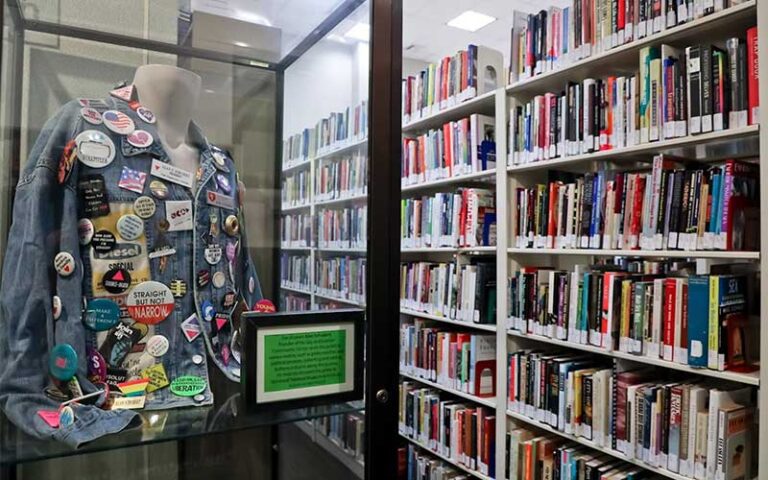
(330, 77)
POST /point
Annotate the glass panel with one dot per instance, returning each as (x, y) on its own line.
(323, 238)
(222, 26)
(143, 209)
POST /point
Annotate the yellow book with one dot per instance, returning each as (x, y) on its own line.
(714, 323)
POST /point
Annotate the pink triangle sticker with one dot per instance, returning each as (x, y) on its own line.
(220, 322)
(51, 417)
(123, 93)
(118, 276)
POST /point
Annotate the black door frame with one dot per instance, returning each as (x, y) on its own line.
(385, 84)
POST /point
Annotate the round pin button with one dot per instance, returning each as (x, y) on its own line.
(199, 397)
(130, 227)
(118, 122)
(208, 311)
(157, 346)
(188, 386)
(219, 161)
(223, 182)
(232, 225)
(144, 207)
(145, 114)
(63, 362)
(95, 149)
(140, 139)
(56, 306)
(116, 280)
(97, 366)
(85, 231)
(101, 314)
(150, 302)
(103, 241)
(158, 189)
(64, 263)
(219, 279)
(197, 359)
(212, 253)
(231, 250)
(66, 416)
(91, 115)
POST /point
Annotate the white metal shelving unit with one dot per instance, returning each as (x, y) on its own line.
(738, 142)
(312, 207)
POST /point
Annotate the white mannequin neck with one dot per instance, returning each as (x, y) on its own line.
(172, 94)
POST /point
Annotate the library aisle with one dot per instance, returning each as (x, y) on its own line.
(581, 240)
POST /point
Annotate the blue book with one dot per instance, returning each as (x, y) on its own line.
(714, 224)
(698, 320)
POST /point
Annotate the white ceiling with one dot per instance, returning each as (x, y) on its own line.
(426, 36)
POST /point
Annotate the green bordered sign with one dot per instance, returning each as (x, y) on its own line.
(300, 359)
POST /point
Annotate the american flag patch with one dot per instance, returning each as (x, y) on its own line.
(118, 122)
(132, 180)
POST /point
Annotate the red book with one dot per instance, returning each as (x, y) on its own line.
(637, 210)
(489, 434)
(553, 217)
(447, 150)
(753, 77)
(668, 327)
(684, 320)
(620, 20)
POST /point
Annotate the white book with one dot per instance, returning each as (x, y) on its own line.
(719, 399)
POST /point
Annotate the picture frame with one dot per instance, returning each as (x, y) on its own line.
(302, 359)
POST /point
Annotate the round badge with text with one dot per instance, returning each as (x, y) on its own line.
(101, 314)
(157, 346)
(64, 263)
(95, 149)
(144, 207)
(91, 115)
(130, 227)
(212, 253)
(103, 241)
(264, 305)
(118, 122)
(220, 162)
(97, 366)
(188, 386)
(85, 231)
(116, 280)
(150, 302)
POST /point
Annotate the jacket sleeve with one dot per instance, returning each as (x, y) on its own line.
(44, 223)
(251, 286)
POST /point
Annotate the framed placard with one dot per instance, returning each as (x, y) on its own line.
(301, 359)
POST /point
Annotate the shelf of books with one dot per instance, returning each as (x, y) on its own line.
(323, 223)
(342, 436)
(623, 303)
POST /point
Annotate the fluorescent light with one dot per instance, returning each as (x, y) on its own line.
(241, 44)
(471, 21)
(361, 31)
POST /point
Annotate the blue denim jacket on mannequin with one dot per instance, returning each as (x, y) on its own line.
(200, 256)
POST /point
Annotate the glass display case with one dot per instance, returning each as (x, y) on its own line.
(167, 166)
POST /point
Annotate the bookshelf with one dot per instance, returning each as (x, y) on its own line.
(744, 142)
(333, 447)
(474, 473)
(305, 154)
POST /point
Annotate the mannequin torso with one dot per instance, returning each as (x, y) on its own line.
(172, 94)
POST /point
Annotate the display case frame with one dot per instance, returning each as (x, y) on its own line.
(383, 202)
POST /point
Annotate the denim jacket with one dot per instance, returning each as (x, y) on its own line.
(200, 256)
